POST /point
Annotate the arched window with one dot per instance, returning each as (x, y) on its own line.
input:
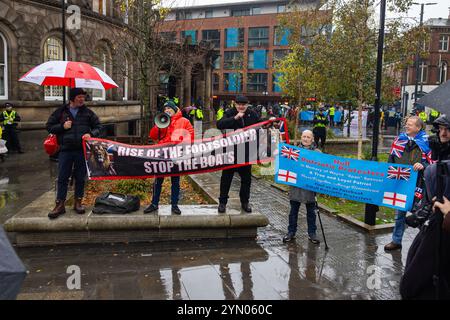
(100, 61)
(53, 50)
(125, 80)
(3, 68)
(443, 72)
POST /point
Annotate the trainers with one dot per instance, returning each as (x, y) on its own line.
(289, 237)
(392, 246)
(151, 208)
(313, 239)
(222, 208)
(176, 210)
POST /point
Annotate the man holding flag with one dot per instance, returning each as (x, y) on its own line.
(410, 147)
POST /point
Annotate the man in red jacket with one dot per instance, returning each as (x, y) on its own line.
(179, 130)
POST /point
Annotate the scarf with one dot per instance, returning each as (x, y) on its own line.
(421, 139)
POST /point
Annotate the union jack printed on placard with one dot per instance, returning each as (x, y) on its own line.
(290, 153)
(399, 173)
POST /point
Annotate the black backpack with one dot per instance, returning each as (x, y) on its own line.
(115, 203)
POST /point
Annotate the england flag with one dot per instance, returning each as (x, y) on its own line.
(395, 199)
(287, 176)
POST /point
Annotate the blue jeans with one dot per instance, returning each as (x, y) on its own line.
(157, 187)
(310, 217)
(68, 162)
(399, 228)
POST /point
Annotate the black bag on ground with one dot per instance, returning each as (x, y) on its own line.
(116, 203)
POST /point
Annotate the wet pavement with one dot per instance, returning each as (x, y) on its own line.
(354, 267)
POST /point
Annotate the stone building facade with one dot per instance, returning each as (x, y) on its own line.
(31, 33)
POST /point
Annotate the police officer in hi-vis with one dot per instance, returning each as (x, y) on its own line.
(9, 119)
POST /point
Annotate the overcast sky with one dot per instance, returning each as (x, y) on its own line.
(441, 9)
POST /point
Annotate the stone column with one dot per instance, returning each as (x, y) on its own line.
(187, 85)
(208, 91)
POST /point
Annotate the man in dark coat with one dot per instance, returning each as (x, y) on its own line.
(72, 123)
(236, 118)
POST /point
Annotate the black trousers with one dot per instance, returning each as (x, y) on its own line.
(322, 135)
(245, 172)
(12, 138)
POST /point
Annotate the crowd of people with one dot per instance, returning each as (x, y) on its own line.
(74, 122)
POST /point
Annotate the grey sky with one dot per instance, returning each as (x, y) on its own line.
(435, 11)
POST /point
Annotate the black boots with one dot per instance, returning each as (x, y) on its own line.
(246, 207)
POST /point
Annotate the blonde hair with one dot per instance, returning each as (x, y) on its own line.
(419, 122)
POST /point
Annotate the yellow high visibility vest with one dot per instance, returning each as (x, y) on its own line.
(9, 118)
(332, 111)
(220, 113)
(423, 116)
(320, 125)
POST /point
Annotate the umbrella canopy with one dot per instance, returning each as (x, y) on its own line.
(438, 99)
(12, 271)
(69, 74)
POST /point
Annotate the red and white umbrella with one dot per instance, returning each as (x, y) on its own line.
(69, 74)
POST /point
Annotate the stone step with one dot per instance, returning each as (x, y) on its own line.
(32, 227)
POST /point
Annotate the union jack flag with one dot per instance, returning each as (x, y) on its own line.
(427, 157)
(399, 173)
(290, 153)
(398, 146)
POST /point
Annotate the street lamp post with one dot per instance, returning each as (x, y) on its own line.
(63, 8)
(371, 209)
(416, 86)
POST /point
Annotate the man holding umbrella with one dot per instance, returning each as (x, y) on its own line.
(72, 123)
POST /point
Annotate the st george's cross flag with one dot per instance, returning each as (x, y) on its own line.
(287, 176)
(395, 199)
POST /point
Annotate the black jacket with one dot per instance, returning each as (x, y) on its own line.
(86, 121)
(228, 121)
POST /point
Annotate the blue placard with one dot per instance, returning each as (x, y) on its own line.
(337, 116)
(384, 184)
(260, 59)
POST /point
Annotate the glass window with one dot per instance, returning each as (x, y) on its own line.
(192, 34)
(209, 14)
(233, 82)
(100, 61)
(279, 55)
(240, 12)
(169, 36)
(281, 36)
(257, 59)
(256, 10)
(275, 85)
(216, 60)
(233, 60)
(443, 72)
(3, 68)
(53, 50)
(281, 8)
(184, 15)
(212, 36)
(216, 80)
(125, 81)
(257, 82)
(258, 37)
(234, 37)
(443, 42)
(423, 73)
